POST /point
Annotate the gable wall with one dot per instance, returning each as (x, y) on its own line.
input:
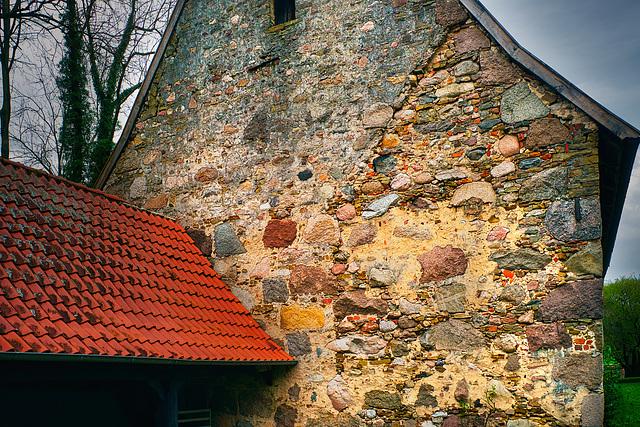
(473, 277)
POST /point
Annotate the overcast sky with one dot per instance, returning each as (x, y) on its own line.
(595, 44)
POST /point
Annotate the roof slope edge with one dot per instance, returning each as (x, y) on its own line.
(602, 115)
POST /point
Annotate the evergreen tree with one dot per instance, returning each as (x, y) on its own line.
(72, 82)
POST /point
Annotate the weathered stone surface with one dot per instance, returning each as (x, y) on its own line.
(372, 187)
(138, 188)
(338, 393)
(245, 297)
(346, 212)
(305, 175)
(509, 146)
(546, 185)
(514, 294)
(455, 421)
(532, 162)
(387, 325)
(574, 220)
(296, 317)
(381, 276)
(298, 344)
(496, 68)
(380, 206)
(502, 169)
(578, 369)
(408, 307)
(454, 90)
(157, 202)
(513, 363)
(227, 269)
(258, 127)
(311, 280)
(262, 269)
(476, 153)
(546, 131)
(592, 410)
(356, 302)
(553, 335)
(521, 423)
(442, 263)
(286, 415)
(383, 400)
(279, 233)
(360, 345)
(405, 322)
(345, 327)
(338, 269)
(341, 420)
(274, 289)
(520, 259)
(426, 397)
(294, 392)
(519, 104)
(470, 39)
(362, 234)
(572, 301)
(502, 398)
(451, 297)
(497, 233)
(377, 115)
(449, 174)
(450, 12)
(452, 335)
(384, 164)
(423, 178)
(391, 140)
(488, 124)
(226, 241)
(465, 68)
(206, 174)
(401, 182)
(322, 229)
(506, 343)
(461, 393)
(201, 240)
(587, 261)
(413, 232)
(477, 190)
(526, 318)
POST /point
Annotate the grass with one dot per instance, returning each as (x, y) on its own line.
(622, 402)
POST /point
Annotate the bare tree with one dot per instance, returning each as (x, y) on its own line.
(37, 117)
(121, 39)
(19, 20)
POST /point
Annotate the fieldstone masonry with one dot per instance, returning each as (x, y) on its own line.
(414, 215)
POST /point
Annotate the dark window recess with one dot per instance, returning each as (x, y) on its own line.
(283, 11)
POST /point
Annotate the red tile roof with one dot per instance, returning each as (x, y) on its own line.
(84, 273)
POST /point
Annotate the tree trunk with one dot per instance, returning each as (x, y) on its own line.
(5, 112)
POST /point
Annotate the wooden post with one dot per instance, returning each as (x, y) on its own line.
(167, 411)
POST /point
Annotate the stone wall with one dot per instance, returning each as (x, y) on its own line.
(412, 215)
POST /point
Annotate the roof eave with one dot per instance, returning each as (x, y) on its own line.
(136, 360)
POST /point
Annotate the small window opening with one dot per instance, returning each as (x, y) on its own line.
(283, 11)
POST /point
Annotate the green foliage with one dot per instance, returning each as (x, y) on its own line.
(107, 87)
(621, 399)
(622, 323)
(72, 82)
